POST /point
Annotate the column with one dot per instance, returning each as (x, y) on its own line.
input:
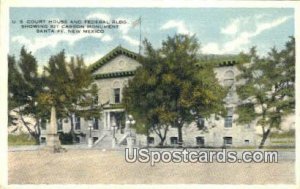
(108, 120)
(53, 142)
(104, 119)
(52, 129)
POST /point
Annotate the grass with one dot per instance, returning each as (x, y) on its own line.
(22, 139)
(283, 142)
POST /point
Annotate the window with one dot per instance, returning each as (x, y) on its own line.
(95, 139)
(227, 140)
(59, 125)
(247, 142)
(200, 141)
(174, 140)
(43, 140)
(117, 96)
(228, 121)
(77, 123)
(228, 118)
(201, 123)
(229, 82)
(228, 78)
(66, 120)
(150, 140)
(95, 124)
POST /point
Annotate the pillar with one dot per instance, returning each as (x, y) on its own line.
(108, 120)
(53, 142)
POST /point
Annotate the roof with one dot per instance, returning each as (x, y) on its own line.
(119, 50)
(219, 63)
(227, 63)
(112, 54)
(114, 74)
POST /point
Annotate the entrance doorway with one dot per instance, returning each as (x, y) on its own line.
(119, 121)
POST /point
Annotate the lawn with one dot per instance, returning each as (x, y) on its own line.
(22, 139)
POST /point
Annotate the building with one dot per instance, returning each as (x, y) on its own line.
(112, 73)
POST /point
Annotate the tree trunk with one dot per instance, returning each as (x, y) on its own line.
(180, 140)
(162, 141)
(162, 136)
(38, 131)
(148, 134)
(264, 138)
(37, 139)
(33, 134)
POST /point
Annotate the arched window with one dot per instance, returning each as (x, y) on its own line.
(117, 92)
(228, 78)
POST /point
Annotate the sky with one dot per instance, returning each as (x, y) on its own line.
(219, 30)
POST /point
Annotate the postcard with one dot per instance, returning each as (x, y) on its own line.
(162, 94)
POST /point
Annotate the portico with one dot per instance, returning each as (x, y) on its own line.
(113, 118)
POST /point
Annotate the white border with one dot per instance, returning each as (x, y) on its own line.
(4, 42)
(153, 3)
(4, 26)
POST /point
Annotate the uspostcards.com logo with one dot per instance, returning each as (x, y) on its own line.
(197, 156)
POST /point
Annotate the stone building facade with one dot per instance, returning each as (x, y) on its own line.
(112, 73)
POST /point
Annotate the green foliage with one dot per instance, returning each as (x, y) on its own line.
(24, 87)
(70, 89)
(15, 81)
(170, 89)
(247, 113)
(66, 86)
(24, 84)
(268, 85)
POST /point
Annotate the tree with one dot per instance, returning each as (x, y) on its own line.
(143, 97)
(24, 86)
(15, 82)
(70, 89)
(170, 89)
(267, 88)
